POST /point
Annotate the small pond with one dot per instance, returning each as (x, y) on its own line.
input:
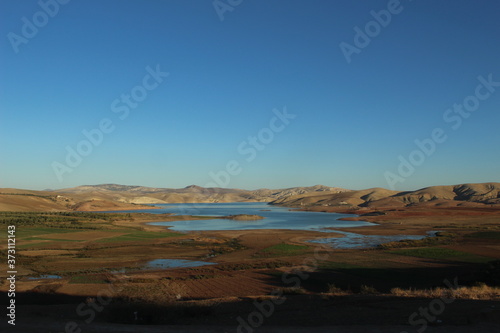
(44, 277)
(174, 263)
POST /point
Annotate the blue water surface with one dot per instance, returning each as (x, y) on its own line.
(275, 217)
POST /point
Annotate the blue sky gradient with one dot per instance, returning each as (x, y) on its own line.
(353, 120)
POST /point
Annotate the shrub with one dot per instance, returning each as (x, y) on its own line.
(293, 291)
(367, 290)
(333, 289)
(480, 291)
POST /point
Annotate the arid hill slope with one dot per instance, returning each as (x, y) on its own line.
(46, 201)
(122, 197)
(189, 194)
(434, 196)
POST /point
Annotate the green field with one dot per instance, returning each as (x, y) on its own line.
(283, 249)
(438, 253)
(38, 226)
(336, 265)
(485, 234)
(58, 219)
(138, 236)
(36, 245)
(88, 279)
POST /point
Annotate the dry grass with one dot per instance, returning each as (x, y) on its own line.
(46, 288)
(368, 290)
(336, 291)
(292, 291)
(333, 290)
(479, 292)
(161, 292)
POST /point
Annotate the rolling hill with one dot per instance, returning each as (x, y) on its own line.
(125, 197)
(434, 196)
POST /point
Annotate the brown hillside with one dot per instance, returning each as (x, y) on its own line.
(464, 195)
(124, 197)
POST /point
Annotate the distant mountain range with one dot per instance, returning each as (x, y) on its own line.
(117, 197)
(189, 194)
(121, 197)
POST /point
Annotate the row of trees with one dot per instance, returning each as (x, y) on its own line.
(61, 218)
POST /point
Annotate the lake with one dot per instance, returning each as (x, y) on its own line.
(275, 217)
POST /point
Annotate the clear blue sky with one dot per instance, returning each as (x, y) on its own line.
(353, 120)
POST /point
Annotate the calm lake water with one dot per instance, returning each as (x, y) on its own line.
(275, 217)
